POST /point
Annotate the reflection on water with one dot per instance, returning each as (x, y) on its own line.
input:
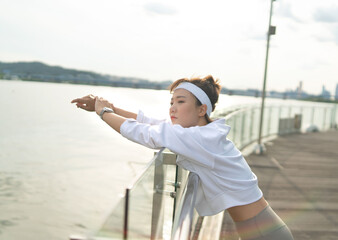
(10, 191)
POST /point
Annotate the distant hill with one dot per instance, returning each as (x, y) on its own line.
(41, 72)
(38, 71)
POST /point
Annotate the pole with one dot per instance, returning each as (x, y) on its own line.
(271, 31)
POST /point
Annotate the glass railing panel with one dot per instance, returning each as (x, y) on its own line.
(230, 122)
(335, 120)
(284, 112)
(274, 121)
(238, 119)
(324, 118)
(246, 127)
(328, 117)
(256, 121)
(184, 214)
(239, 127)
(245, 122)
(266, 121)
(114, 225)
(135, 206)
(140, 206)
(150, 210)
(318, 117)
(306, 117)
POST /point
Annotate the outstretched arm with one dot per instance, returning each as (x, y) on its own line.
(91, 103)
(112, 119)
(124, 113)
(88, 103)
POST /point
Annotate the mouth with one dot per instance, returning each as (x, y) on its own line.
(172, 117)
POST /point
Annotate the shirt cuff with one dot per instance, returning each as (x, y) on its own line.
(124, 127)
(140, 116)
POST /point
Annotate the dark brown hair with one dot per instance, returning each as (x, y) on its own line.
(208, 84)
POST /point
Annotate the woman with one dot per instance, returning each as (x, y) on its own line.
(201, 144)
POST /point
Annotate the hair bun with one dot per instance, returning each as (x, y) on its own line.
(209, 79)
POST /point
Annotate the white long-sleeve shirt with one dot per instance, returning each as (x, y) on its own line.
(226, 179)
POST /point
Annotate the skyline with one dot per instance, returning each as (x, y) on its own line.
(167, 40)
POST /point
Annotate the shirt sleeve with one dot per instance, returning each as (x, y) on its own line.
(142, 118)
(188, 142)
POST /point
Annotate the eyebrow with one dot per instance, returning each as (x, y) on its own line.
(179, 97)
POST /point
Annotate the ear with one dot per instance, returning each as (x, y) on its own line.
(202, 110)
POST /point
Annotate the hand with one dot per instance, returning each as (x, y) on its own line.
(100, 103)
(87, 103)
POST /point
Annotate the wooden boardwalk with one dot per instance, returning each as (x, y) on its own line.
(299, 177)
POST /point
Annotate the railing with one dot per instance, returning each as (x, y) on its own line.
(159, 204)
(147, 209)
(244, 121)
(183, 221)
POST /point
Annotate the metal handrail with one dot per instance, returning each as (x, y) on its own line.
(244, 121)
(185, 211)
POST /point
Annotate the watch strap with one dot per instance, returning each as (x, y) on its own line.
(105, 109)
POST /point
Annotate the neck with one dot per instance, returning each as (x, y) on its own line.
(202, 121)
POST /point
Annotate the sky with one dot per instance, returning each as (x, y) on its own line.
(167, 40)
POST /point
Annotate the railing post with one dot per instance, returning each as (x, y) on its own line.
(160, 170)
(242, 128)
(252, 123)
(126, 213)
(183, 221)
(302, 116)
(333, 117)
(234, 129)
(157, 217)
(269, 121)
(324, 118)
(313, 115)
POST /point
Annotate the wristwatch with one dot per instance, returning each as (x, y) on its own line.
(105, 109)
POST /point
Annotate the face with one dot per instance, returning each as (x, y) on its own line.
(184, 110)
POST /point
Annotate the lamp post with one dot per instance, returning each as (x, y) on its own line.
(271, 31)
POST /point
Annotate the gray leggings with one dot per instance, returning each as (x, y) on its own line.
(265, 226)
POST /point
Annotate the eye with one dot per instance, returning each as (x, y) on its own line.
(181, 101)
(171, 103)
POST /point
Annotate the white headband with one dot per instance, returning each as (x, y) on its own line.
(198, 93)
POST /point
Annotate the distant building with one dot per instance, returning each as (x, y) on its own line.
(325, 94)
(336, 96)
(300, 90)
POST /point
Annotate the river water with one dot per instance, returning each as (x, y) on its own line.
(62, 168)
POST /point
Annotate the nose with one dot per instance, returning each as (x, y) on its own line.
(172, 109)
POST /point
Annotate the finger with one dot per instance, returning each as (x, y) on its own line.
(79, 100)
(83, 99)
(75, 100)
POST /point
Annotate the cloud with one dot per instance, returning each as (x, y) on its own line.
(159, 9)
(284, 10)
(312, 64)
(328, 15)
(335, 34)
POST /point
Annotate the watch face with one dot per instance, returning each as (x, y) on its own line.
(107, 109)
